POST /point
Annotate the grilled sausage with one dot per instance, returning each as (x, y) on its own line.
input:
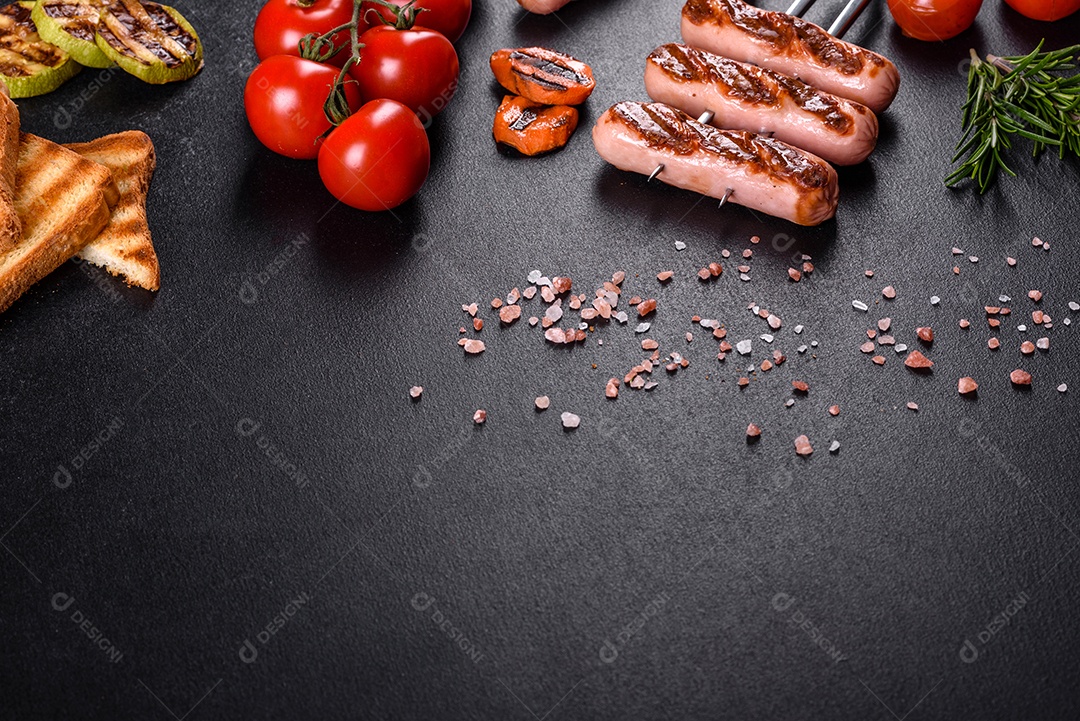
(745, 96)
(542, 7)
(543, 75)
(532, 128)
(792, 46)
(765, 174)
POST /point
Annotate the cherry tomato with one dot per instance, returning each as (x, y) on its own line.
(282, 23)
(378, 158)
(1048, 10)
(934, 19)
(284, 99)
(449, 17)
(416, 67)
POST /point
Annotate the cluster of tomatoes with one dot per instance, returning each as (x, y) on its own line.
(354, 83)
(943, 19)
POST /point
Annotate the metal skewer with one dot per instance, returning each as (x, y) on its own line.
(841, 25)
(847, 17)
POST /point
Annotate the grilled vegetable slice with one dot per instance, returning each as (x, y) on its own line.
(543, 75)
(30, 66)
(532, 128)
(71, 25)
(153, 42)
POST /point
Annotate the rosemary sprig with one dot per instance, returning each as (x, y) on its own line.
(1031, 96)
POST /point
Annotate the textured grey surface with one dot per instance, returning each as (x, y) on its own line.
(653, 529)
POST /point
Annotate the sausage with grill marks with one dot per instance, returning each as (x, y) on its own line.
(751, 98)
(764, 173)
(791, 46)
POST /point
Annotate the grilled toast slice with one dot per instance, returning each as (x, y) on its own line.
(125, 248)
(63, 201)
(10, 226)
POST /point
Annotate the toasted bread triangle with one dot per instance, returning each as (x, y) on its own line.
(63, 201)
(125, 248)
(10, 226)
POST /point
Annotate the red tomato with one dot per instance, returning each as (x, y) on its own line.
(282, 23)
(934, 19)
(449, 17)
(378, 158)
(416, 67)
(1048, 10)
(284, 99)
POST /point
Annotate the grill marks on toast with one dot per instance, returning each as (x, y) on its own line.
(125, 247)
(61, 199)
(10, 225)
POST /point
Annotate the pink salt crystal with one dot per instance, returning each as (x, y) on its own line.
(569, 420)
(547, 294)
(1043, 343)
(649, 344)
(704, 274)
(513, 296)
(867, 347)
(889, 292)
(747, 253)
(618, 277)
(415, 391)
(529, 292)
(993, 343)
(645, 307)
(1027, 347)
(794, 274)
(496, 302)
(612, 388)
(588, 313)
(1020, 377)
(533, 320)
(555, 335)
(808, 268)
(1035, 295)
(479, 417)
(554, 313)
(664, 276)
(834, 410)
(715, 269)
(637, 383)
(542, 403)
(509, 313)
(803, 447)
(474, 346)
(917, 361)
(753, 431)
(869, 274)
(477, 324)
(883, 324)
(1011, 261)
(912, 406)
(689, 337)
(879, 359)
(964, 323)
(561, 285)
(966, 385)
(774, 322)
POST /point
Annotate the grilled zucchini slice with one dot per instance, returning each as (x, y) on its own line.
(30, 66)
(71, 25)
(151, 41)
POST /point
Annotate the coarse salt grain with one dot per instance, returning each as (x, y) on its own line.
(859, 305)
(569, 420)
(479, 417)
(415, 391)
(474, 346)
(834, 446)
